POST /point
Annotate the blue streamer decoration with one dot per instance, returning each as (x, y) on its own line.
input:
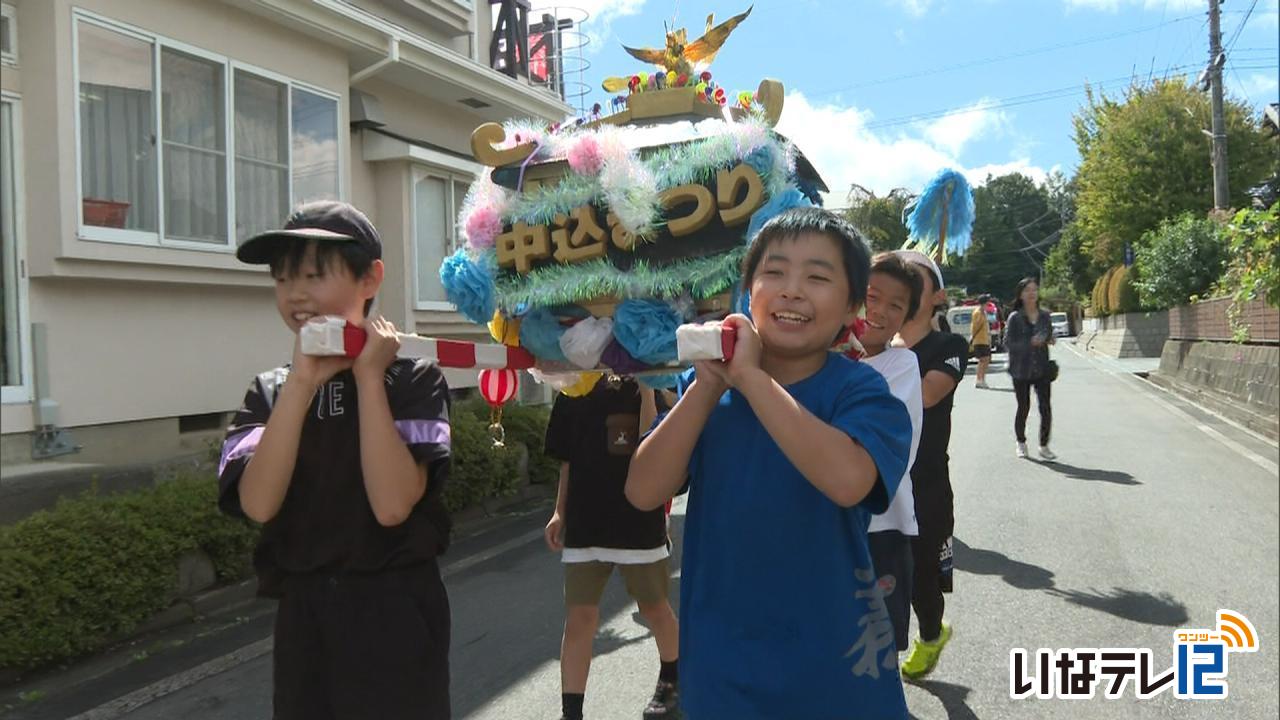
(646, 329)
(925, 219)
(469, 285)
(787, 199)
(540, 332)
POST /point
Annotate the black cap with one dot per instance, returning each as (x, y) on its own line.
(321, 220)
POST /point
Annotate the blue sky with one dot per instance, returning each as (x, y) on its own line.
(868, 81)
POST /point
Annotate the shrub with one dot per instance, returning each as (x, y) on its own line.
(1253, 268)
(478, 470)
(90, 569)
(1122, 297)
(1181, 258)
(1102, 300)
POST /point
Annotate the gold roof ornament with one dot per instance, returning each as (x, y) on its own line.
(679, 55)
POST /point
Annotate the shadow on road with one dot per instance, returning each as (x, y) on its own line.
(1116, 477)
(1149, 608)
(953, 698)
(1140, 607)
(1023, 576)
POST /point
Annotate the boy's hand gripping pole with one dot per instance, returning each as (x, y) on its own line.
(334, 336)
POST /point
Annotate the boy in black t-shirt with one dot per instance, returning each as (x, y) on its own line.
(942, 357)
(596, 530)
(343, 462)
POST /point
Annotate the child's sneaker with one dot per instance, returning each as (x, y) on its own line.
(1022, 450)
(665, 702)
(1047, 454)
(923, 657)
(981, 384)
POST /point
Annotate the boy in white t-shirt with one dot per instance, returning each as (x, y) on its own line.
(893, 294)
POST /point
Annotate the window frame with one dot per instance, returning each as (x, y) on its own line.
(23, 392)
(451, 180)
(10, 13)
(230, 67)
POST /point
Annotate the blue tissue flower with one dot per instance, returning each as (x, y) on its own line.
(469, 285)
(660, 382)
(646, 329)
(760, 160)
(787, 199)
(540, 332)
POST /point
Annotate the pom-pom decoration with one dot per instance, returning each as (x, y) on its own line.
(497, 387)
(482, 226)
(942, 215)
(469, 286)
(584, 157)
(646, 329)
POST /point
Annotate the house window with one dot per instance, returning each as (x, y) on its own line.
(236, 147)
(436, 200)
(193, 119)
(262, 153)
(8, 34)
(14, 357)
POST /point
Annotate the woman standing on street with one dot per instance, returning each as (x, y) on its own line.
(1028, 337)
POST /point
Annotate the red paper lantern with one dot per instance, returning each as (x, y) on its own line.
(498, 386)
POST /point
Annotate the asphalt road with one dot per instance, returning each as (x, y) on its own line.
(1154, 517)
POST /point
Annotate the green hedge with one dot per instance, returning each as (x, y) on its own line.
(89, 570)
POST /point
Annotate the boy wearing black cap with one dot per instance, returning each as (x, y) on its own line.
(343, 462)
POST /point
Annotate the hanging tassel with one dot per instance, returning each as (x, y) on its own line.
(496, 431)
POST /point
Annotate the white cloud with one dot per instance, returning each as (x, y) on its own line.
(952, 132)
(1114, 5)
(836, 140)
(978, 175)
(1262, 87)
(914, 8)
(901, 36)
(598, 26)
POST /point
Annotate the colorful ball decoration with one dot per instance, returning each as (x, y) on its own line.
(497, 387)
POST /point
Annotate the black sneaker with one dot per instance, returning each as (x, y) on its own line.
(665, 704)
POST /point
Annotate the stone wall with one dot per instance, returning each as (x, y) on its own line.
(1239, 381)
(1131, 335)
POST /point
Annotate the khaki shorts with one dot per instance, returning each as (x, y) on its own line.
(584, 581)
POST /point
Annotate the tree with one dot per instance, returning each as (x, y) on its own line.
(1013, 230)
(1145, 158)
(879, 219)
(1067, 267)
(1182, 257)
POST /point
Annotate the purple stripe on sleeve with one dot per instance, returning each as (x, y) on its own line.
(415, 432)
(239, 445)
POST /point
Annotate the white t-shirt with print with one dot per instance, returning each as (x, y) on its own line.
(902, 372)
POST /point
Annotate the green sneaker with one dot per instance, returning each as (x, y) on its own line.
(923, 657)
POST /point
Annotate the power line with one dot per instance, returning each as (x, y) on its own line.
(1001, 58)
(1240, 27)
(1014, 101)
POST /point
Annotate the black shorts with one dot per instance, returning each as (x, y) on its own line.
(892, 560)
(980, 351)
(363, 646)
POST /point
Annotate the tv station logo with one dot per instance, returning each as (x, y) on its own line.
(1199, 670)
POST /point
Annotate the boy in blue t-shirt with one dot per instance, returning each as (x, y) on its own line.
(787, 449)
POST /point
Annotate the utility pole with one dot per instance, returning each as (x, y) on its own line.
(1216, 61)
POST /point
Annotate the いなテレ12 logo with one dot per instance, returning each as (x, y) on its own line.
(1199, 671)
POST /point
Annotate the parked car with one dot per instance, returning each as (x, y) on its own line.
(959, 318)
(1061, 324)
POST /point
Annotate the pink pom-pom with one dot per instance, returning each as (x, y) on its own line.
(585, 157)
(483, 226)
